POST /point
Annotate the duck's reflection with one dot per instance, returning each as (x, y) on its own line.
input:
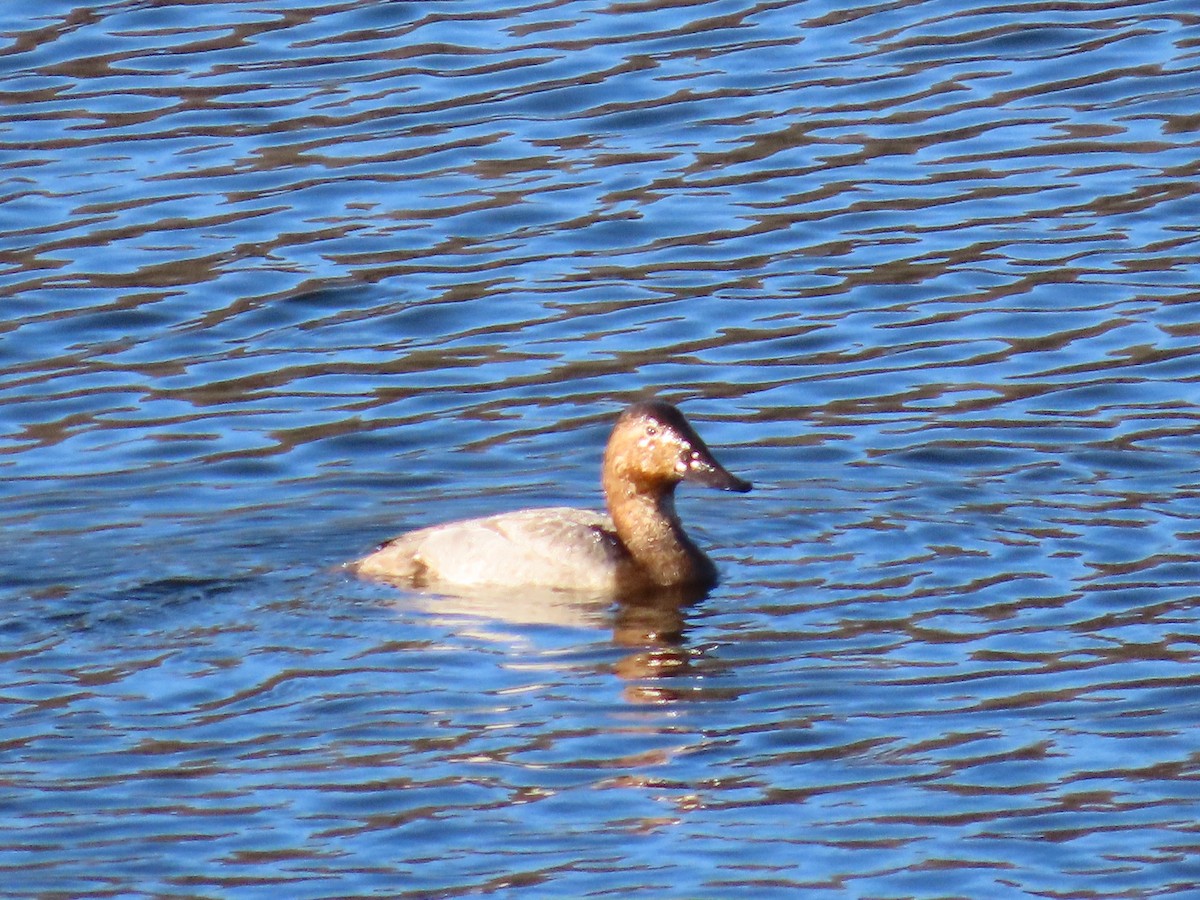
(651, 626)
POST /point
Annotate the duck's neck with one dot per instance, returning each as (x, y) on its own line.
(647, 525)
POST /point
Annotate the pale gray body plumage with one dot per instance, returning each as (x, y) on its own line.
(552, 546)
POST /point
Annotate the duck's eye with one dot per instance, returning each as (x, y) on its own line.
(652, 430)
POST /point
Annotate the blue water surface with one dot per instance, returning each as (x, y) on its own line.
(282, 280)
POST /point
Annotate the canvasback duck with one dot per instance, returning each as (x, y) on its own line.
(639, 546)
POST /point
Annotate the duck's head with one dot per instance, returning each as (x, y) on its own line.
(653, 448)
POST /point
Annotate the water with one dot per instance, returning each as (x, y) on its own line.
(282, 280)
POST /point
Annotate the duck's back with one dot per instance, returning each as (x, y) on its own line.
(556, 547)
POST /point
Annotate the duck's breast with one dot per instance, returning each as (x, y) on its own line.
(555, 547)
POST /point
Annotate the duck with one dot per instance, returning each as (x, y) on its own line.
(638, 545)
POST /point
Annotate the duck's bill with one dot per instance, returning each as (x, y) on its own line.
(709, 472)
